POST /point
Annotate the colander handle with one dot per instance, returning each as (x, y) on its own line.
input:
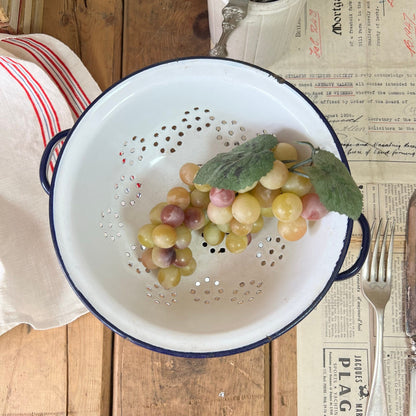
(47, 158)
(365, 245)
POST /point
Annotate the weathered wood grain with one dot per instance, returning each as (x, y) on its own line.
(93, 30)
(149, 383)
(159, 30)
(33, 372)
(89, 368)
(61, 371)
(283, 375)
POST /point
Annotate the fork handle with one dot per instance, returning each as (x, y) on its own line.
(412, 387)
(377, 402)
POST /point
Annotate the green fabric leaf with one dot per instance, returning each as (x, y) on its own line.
(241, 167)
(334, 185)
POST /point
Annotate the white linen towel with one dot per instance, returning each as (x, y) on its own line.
(44, 87)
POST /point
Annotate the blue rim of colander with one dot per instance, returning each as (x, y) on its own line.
(244, 348)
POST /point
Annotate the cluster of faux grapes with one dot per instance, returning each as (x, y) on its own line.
(224, 214)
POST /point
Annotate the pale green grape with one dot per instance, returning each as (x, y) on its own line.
(189, 268)
(258, 225)
(183, 236)
(155, 212)
(199, 199)
(169, 277)
(145, 235)
(212, 234)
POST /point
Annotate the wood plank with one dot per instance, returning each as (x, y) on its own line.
(89, 367)
(93, 30)
(33, 372)
(152, 384)
(283, 375)
(163, 29)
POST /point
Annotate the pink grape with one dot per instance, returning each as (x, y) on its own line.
(146, 259)
(221, 197)
(313, 209)
(163, 257)
(172, 215)
(194, 218)
(183, 257)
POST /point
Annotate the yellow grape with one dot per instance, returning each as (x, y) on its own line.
(265, 196)
(267, 212)
(219, 215)
(287, 207)
(188, 172)
(164, 236)
(202, 188)
(246, 209)
(292, 231)
(258, 225)
(169, 277)
(236, 243)
(240, 229)
(297, 184)
(179, 196)
(285, 151)
(277, 177)
(145, 235)
(247, 188)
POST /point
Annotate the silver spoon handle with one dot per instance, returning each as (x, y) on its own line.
(233, 13)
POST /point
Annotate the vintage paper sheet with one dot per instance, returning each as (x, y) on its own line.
(356, 60)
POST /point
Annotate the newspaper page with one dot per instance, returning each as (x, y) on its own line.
(356, 60)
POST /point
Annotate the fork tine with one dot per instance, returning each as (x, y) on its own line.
(390, 255)
(365, 270)
(374, 263)
(381, 277)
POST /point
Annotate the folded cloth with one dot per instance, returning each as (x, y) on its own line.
(44, 87)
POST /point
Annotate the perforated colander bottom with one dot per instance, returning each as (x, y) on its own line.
(129, 190)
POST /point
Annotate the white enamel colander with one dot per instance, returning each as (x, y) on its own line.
(124, 154)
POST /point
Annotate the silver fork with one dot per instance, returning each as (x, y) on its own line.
(376, 286)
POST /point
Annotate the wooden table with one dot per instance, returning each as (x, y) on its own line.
(85, 369)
